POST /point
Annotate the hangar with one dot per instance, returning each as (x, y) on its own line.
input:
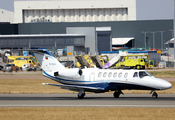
(74, 11)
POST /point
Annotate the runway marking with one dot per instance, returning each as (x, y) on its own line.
(142, 106)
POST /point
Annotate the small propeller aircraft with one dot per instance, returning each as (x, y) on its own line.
(96, 80)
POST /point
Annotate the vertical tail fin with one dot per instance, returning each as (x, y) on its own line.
(46, 60)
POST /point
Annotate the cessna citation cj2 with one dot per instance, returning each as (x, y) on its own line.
(96, 80)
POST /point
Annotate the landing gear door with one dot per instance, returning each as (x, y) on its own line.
(92, 77)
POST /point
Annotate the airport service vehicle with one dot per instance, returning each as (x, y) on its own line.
(85, 59)
(135, 62)
(97, 80)
(24, 62)
(3, 61)
(10, 68)
(91, 60)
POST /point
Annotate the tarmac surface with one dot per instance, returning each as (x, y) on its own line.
(90, 100)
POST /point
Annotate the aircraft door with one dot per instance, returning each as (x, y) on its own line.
(92, 77)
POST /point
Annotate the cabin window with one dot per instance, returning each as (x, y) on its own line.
(110, 74)
(143, 74)
(104, 74)
(120, 75)
(126, 75)
(135, 74)
(115, 74)
(99, 74)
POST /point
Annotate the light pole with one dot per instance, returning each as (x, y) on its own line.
(153, 38)
(145, 38)
(172, 32)
(161, 32)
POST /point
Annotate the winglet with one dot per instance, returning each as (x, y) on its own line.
(44, 83)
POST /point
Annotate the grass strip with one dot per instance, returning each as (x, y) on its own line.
(163, 74)
(88, 113)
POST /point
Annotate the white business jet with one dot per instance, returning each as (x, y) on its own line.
(96, 80)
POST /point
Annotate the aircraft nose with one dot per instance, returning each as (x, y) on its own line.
(166, 85)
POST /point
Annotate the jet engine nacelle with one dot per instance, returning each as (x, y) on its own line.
(69, 73)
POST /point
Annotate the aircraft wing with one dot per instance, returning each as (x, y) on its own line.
(76, 87)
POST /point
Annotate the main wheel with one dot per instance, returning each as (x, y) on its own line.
(143, 67)
(154, 95)
(116, 94)
(81, 96)
(11, 70)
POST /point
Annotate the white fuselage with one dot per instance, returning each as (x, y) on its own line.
(121, 79)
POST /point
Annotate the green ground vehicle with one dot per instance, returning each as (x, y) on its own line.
(135, 62)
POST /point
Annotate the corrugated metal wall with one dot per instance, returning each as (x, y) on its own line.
(75, 15)
(46, 42)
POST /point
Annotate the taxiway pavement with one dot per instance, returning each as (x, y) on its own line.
(90, 100)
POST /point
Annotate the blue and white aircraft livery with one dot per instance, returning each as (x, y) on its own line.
(96, 80)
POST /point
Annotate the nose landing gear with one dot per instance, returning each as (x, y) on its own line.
(154, 95)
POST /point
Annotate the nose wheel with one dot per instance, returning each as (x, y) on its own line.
(154, 95)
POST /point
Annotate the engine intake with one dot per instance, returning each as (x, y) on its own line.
(69, 73)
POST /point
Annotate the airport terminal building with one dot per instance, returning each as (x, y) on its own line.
(74, 11)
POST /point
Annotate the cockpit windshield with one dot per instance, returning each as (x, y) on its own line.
(143, 74)
(149, 73)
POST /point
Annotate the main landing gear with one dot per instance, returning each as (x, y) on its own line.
(117, 93)
(81, 94)
(154, 94)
